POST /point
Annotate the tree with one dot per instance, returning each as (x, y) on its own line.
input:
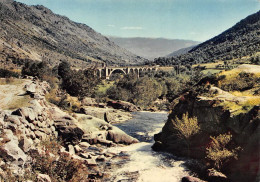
(77, 83)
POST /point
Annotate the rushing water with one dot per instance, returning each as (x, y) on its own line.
(145, 165)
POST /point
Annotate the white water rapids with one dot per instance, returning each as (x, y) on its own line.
(147, 165)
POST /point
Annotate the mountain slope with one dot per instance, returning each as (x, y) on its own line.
(243, 39)
(151, 48)
(36, 29)
(180, 51)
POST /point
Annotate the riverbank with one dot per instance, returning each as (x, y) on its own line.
(103, 146)
(37, 136)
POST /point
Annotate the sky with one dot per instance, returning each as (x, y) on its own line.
(197, 20)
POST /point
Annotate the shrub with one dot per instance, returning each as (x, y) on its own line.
(38, 69)
(244, 82)
(218, 152)
(79, 83)
(4, 73)
(186, 126)
(142, 92)
(58, 165)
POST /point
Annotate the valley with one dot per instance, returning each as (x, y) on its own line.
(79, 106)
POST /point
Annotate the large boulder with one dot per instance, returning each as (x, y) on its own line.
(98, 113)
(88, 101)
(127, 106)
(11, 152)
(26, 112)
(69, 134)
(118, 136)
(30, 88)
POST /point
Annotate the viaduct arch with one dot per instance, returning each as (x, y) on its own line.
(108, 71)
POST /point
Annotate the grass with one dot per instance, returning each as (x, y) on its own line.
(169, 68)
(242, 94)
(10, 81)
(209, 65)
(104, 86)
(242, 107)
(22, 101)
(211, 71)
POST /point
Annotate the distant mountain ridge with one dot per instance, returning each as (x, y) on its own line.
(241, 40)
(151, 48)
(37, 31)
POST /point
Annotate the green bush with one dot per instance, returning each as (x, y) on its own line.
(244, 82)
(38, 69)
(79, 83)
(142, 92)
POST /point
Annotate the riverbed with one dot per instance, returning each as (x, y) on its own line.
(143, 164)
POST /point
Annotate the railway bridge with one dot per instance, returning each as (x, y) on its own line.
(108, 71)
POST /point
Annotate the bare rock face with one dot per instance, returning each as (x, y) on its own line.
(26, 144)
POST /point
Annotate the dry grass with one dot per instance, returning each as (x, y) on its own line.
(232, 74)
(66, 102)
(241, 107)
(22, 101)
(10, 81)
(252, 101)
(169, 68)
(242, 94)
(209, 65)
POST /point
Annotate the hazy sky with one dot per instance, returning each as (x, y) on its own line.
(176, 19)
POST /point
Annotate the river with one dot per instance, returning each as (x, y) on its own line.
(145, 165)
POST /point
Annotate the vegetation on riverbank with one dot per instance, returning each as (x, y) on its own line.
(227, 113)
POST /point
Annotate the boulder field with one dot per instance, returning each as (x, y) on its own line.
(83, 137)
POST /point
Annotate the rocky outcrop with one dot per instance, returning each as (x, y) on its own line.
(127, 106)
(110, 115)
(98, 131)
(215, 120)
(23, 130)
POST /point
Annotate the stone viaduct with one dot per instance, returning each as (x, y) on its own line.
(108, 71)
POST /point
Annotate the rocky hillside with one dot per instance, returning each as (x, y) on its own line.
(40, 142)
(35, 32)
(224, 131)
(240, 40)
(151, 48)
